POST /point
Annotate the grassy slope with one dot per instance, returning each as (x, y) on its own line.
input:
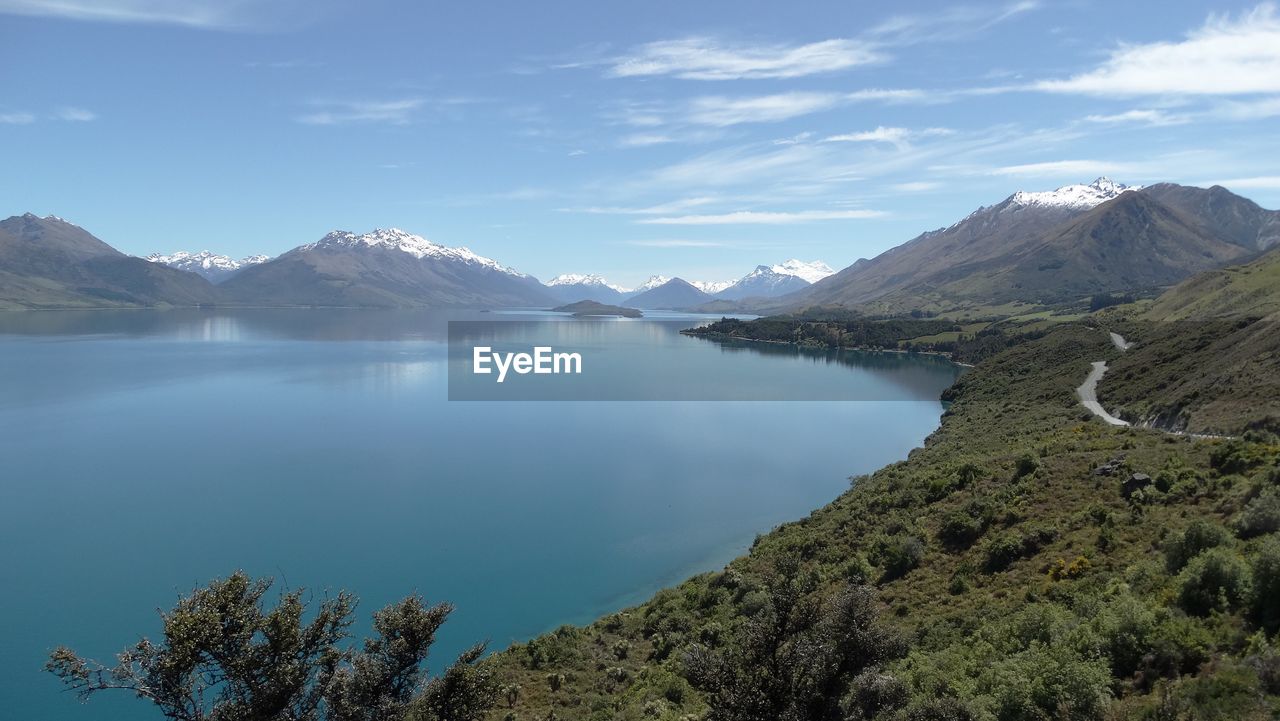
(1248, 289)
(1009, 643)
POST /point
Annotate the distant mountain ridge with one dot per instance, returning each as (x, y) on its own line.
(384, 268)
(1033, 249)
(572, 287)
(772, 281)
(211, 266)
(1054, 247)
(51, 263)
(674, 294)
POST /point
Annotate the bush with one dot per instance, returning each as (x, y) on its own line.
(1048, 682)
(1262, 515)
(1265, 608)
(1215, 580)
(901, 555)
(1003, 550)
(1026, 465)
(1200, 536)
(959, 530)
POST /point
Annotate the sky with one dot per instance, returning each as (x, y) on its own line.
(691, 139)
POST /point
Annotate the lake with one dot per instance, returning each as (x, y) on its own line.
(146, 452)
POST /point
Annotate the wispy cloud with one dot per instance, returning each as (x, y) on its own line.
(755, 217)
(210, 14)
(723, 111)
(894, 136)
(705, 58)
(1073, 168)
(1142, 117)
(1227, 56)
(75, 115)
(17, 118)
(916, 186)
(676, 243)
(674, 206)
(720, 111)
(953, 23)
(1268, 182)
(709, 58)
(340, 112)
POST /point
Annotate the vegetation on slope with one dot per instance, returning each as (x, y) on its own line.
(1037, 564)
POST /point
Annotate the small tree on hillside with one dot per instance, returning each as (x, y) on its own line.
(225, 657)
(795, 659)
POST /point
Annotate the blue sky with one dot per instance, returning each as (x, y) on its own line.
(685, 138)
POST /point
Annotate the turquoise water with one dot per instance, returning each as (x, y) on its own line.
(145, 452)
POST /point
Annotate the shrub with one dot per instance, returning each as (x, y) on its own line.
(1200, 536)
(900, 556)
(1003, 550)
(1262, 515)
(1048, 682)
(1265, 606)
(1026, 465)
(1215, 580)
(959, 529)
(1063, 570)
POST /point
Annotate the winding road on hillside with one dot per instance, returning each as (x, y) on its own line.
(1088, 391)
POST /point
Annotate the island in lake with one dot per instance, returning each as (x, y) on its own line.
(585, 308)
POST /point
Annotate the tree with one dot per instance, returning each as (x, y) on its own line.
(226, 657)
(795, 659)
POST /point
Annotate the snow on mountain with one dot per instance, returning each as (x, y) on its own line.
(405, 242)
(711, 287)
(212, 266)
(591, 279)
(653, 282)
(1074, 196)
(811, 272)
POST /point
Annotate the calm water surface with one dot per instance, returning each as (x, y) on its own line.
(145, 452)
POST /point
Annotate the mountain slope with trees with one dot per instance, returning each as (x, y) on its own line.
(1034, 563)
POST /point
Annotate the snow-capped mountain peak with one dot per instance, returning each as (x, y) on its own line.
(406, 242)
(213, 266)
(584, 279)
(811, 272)
(711, 287)
(1074, 196)
(653, 282)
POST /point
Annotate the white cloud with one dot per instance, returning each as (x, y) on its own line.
(579, 152)
(720, 111)
(217, 14)
(1248, 109)
(704, 58)
(17, 118)
(671, 207)
(675, 243)
(894, 136)
(75, 115)
(1267, 182)
(1227, 56)
(339, 112)
(641, 140)
(1074, 168)
(916, 186)
(1146, 117)
(753, 217)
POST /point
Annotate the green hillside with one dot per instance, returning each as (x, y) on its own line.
(1035, 562)
(1244, 290)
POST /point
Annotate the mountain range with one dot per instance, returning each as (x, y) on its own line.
(1031, 250)
(384, 268)
(1038, 249)
(50, 263)
(210, 266)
